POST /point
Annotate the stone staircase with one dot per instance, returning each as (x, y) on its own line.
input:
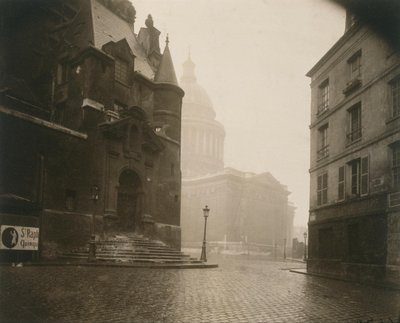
(131, 250)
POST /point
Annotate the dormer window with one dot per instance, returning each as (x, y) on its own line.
(121, 71)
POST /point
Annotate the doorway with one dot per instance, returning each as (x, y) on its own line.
(128, 204)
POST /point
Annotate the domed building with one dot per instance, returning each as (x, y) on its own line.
(202, 136)
(245, 207)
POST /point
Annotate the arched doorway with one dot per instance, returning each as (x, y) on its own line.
(129, 201)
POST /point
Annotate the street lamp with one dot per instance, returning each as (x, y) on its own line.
(92, 243)
(305, 246)
(206, 212)
(284, 248)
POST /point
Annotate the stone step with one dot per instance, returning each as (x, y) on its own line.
(133, 255)
(134, 250)
(150, 260)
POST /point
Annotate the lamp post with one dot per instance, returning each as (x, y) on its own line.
(305, 246)
(206, 212)
(284, 248)
(92, 243)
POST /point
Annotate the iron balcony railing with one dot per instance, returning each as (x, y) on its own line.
(323, 152)
(353, 136)
(323, 107)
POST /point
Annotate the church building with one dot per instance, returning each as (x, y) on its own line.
(90, 123)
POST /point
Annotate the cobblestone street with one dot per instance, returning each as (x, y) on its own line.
(240, 290)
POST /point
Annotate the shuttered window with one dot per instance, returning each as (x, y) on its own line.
(364, 175)
(341, 184)
(322, 189)
(396, 168)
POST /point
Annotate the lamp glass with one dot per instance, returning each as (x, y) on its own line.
(206, 211)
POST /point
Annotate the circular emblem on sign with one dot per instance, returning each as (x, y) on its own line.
(9, 237)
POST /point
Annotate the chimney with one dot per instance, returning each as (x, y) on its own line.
(149, 37)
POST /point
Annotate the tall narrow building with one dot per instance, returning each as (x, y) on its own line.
(354, 227)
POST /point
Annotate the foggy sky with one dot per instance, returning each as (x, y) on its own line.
(251, 56)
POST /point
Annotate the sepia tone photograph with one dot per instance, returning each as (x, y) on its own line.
(183, 161)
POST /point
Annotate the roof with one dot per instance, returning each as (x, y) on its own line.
(107, 27)
(196, 102)
(166, 70)
(264, 179)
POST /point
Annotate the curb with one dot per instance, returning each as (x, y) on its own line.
(364, 283)
(108, 264)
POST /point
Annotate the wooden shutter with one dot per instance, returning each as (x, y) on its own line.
(341, 183)
(364, 175)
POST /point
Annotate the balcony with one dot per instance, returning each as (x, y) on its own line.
(323, 153)
(112, 116)
(353, 136)
(322, 108)
(352, 85)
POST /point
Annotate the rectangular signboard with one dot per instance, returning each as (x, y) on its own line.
(19, 238)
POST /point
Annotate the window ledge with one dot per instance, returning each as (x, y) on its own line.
(122, 83)
(353, 142)
(321, 112)
(392, 119)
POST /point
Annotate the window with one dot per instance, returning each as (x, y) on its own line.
(62, 74)
(396, 168)
(342, 183)
(396, 97)
(323, 97)
(121, 71)
(322, 189)
(355, 66)
(323, 150)
(359, 176)
(354, 114)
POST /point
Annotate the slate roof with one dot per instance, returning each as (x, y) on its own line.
(166, 70)
(109, 27)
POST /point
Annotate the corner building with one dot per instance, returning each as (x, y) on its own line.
(88, 107)
(354, 226)
(245, 207)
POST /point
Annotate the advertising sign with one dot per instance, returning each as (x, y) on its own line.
(19, 238)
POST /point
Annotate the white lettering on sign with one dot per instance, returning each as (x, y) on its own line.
(19, 238)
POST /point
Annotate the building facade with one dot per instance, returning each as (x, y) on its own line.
(354, 226)
(245, 207)
(90, 124)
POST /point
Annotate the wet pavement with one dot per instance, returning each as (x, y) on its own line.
(239, 290)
